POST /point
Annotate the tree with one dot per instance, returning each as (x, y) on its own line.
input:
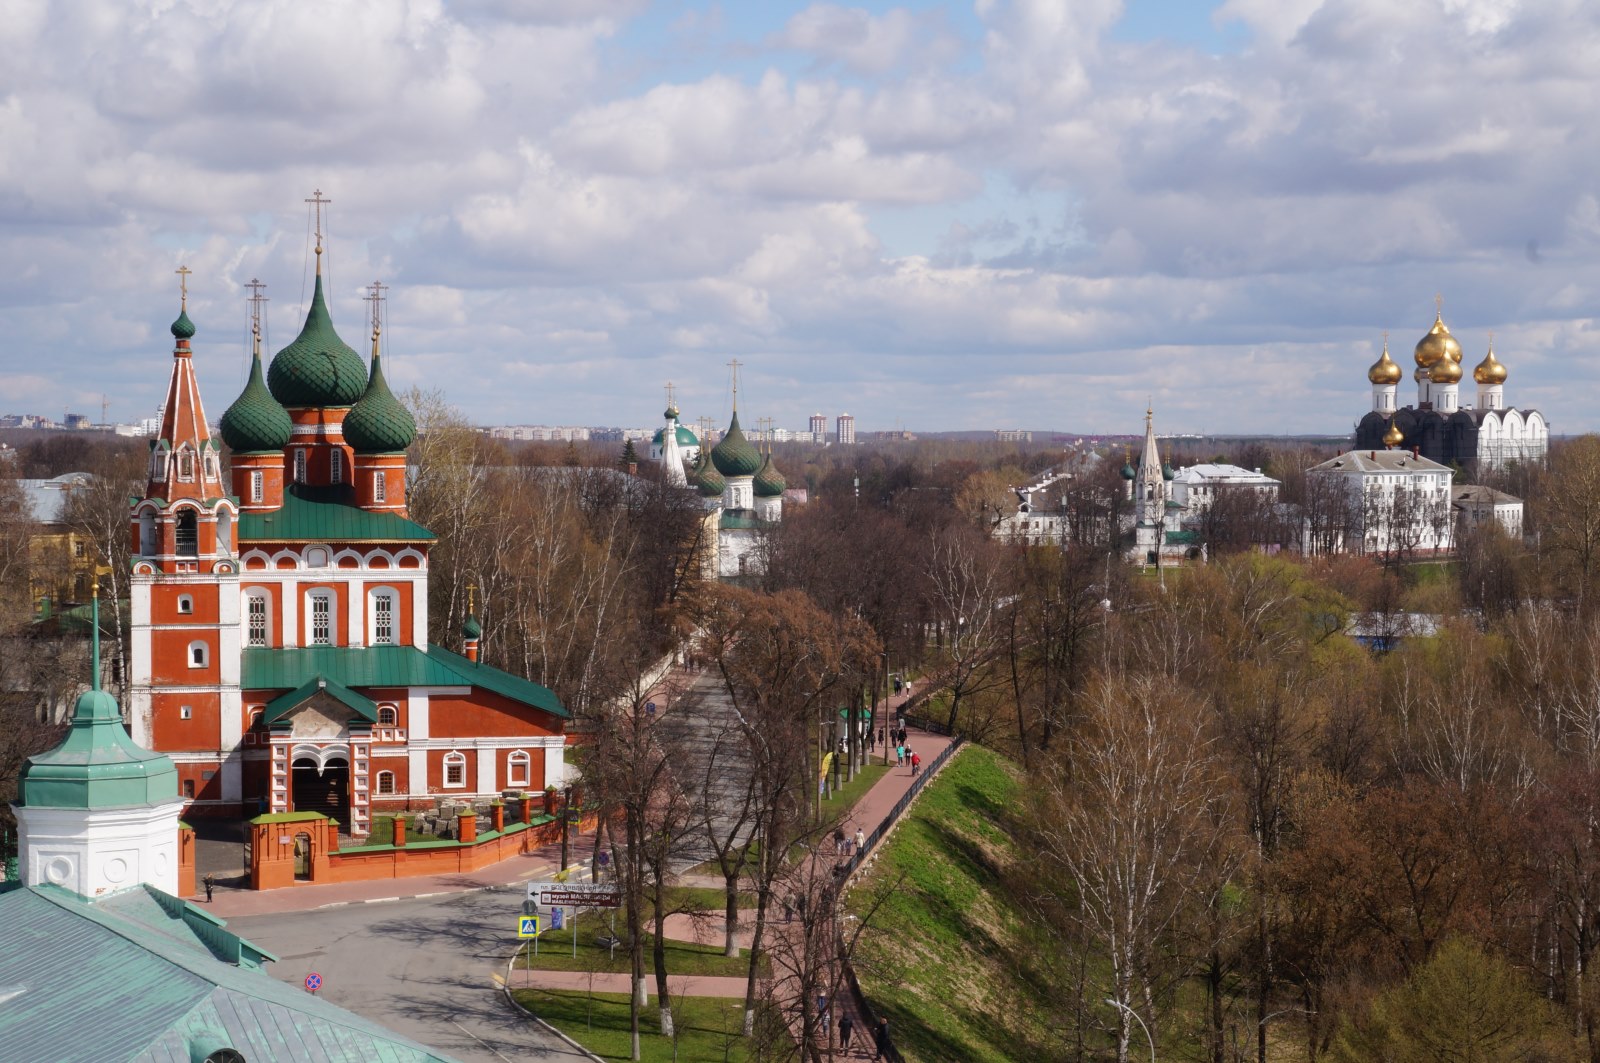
(630, 457)
(1568, 509)
(98, 513)
(1465, 1005)
(967, 595)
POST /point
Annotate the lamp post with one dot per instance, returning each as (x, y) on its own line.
(1123, 1007)
(886, 689)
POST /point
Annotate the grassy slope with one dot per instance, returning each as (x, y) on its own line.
(708, 1026)
(947, 955)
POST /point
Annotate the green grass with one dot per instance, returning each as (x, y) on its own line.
(704, 898)
(948, 955)
(708, 1027)
(683, 957)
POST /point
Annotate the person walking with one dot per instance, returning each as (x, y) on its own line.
(916, 763)
(210, 884)
(861, 839)
(788, 908)
(822, 1013)
(900, 755)
(846, 1026)
(880, 1039)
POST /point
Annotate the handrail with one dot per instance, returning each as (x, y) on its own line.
(852, 865)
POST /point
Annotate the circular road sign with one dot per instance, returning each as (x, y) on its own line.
(313, 982)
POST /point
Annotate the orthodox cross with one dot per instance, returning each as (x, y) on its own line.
(376, 297)
(319, 200)
(255, 299)
(183, 286)
(734, 365)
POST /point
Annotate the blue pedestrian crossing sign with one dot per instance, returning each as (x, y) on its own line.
(527, 926)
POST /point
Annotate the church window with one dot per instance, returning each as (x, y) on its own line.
(336, 466)
(158, 464)
(185, 603)
(321, 603)
(198, 655)
(379, 489)
(185, 464)
(518, 768)
(317, 557)
(188, 534)
(256, 620)
(255, 718)
(455, 769)
(300, 465)
(258, 485)
(186, 712)
(386, 782)
(188, 789)
(212, 469)
(386, 716)
(383, 628)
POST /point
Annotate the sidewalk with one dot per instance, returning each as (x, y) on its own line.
(507, 874)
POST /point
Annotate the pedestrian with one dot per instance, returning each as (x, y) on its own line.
(838, 839)
(883, 734)
(800, 905)
(846, 1025)
(880, 1039)
(899, 755)
(788, 908)
(861, 840)
(822, 1012)
(916, 763)
(211, 884)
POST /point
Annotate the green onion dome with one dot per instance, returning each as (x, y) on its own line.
(710, 481)
(1166, 471)
(735, 455)
(686, 438)
(471, 629)
(318, 368)
(769, 482)
(255, 423)
(183, 328)
(1128, 471)
(379, 423)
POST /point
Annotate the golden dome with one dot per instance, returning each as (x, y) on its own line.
(1490, 371)
(1393, 437)
(1445, 371)
(1384, 370)
(1437, 345)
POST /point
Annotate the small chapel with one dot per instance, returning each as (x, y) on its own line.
(280, 654)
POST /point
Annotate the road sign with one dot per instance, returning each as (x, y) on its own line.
(650, 707)
(527, 926)
(576, 894)
(557, 919)
(313, 982)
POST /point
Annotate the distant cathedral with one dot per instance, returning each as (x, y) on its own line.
(1486, 435)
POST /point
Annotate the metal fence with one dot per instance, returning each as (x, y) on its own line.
(881, 831)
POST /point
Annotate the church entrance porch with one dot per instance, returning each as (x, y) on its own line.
(322, 787)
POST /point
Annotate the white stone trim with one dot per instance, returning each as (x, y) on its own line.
(93, 852)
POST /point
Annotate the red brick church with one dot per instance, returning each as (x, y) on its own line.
(280, 652)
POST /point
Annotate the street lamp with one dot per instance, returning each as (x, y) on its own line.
(1118, 1004)
(885, 718)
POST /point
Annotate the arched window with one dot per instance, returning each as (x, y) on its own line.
(317, 557)
(319, 618)
(213, 470)
(386, 782)
(158, 463)
(379, 488)
(455, 770)
(336, 466)
(188, 534)
(299, 465)
(257, 619)
(386, 716)
(199, 655)
(258, 485)
(225, 530)
(383, 617)
(149, 541)
(185, 463)
(185, 603)
(255, 718)
(519, 767)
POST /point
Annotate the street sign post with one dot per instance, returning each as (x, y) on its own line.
(313, 982)
(576, 894)
(528, 926)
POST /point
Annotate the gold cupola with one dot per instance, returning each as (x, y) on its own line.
(1393, 437)
(1446, 370)
(1437, 345)
(1384, 370)
(1489, 371)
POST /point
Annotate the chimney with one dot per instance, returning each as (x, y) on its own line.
(1414, 453)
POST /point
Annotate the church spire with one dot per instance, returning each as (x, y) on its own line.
(184, 460)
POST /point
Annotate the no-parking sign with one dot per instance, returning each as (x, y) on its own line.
(313, 982)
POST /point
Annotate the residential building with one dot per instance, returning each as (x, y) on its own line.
(1392, 502)
(846, 429)
(819, 428)
(1195, 489)
(1476, 505)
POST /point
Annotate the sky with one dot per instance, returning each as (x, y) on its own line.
(995, 214)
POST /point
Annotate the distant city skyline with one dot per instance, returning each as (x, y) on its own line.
(1004, 214)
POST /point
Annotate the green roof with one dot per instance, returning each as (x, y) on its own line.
(183, 328)
(769, 482)
(142, 975)
(735, 520)
(379, 424)
(317, 368)
(255, 423)
(686, 438)
(281, 705)
(327, 514)
(97, 765)
(734, 455)
(388, 666)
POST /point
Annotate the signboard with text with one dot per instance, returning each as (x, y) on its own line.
(575, 894)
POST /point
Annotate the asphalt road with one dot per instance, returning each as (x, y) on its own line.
(423, 968)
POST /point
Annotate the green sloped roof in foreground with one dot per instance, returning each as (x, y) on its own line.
(141, 975)
(327, 514)
(388, 666)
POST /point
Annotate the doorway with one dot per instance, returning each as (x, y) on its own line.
(322, 788)
(302, 856)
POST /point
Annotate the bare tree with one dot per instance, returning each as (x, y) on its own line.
(967, 593)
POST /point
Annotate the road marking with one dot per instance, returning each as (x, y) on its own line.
(379, 900)
(476, 1038)
(498, 980)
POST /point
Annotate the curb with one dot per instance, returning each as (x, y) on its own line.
(513, 1002)
(407, 897)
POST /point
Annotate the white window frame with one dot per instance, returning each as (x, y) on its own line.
(336, 466)
(251, 598)
(199, 655)
(186, 464)
(299, 465)
(185, 604)
(516, 759)
(330, 601)
(185, 712)
(158, 463)
(258, 485)
(380, 488)
(388, 716)
(458, 760)
(391, 597)
(385, 784)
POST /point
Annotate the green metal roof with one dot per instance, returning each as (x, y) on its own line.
(379, 423)
(280, 706)
(733, 520)
(327, 514)
(97, 765)
(140, 975)
(734, 455)
(255, 423)
(388, 666)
